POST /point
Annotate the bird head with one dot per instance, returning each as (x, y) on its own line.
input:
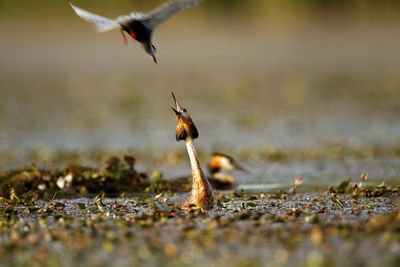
(151, 50)
(221, 161)
(185, 128)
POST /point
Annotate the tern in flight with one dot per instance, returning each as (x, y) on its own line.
(138, 25)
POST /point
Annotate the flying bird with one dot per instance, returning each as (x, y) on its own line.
(138, 25)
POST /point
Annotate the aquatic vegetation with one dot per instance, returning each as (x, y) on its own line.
(116, 176)
(302, 229)
(358, 190)
(66, 216)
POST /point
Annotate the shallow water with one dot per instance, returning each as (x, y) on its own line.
(272, 176)
(284, 85)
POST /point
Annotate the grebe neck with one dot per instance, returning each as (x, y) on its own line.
(194, 161)
(201, 194)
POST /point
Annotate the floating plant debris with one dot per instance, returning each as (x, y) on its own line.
(115, 215)
(114, 177)
(136, 231)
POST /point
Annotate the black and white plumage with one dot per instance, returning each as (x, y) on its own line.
(138, 25)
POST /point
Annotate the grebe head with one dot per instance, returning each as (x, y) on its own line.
(185, 128)
(222, 161)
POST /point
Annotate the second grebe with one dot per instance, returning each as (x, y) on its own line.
(221, 180)
(201, 194)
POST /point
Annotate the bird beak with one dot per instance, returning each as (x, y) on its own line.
(154, 59)
(178, 108)
(240, 168)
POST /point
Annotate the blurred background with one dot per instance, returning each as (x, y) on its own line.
(272, 73)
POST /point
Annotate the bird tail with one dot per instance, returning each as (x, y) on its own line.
(101, 24)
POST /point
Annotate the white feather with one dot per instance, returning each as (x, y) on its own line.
(161, 13)
(133, 16)
(101, 24)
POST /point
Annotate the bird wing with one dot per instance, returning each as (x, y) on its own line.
(102, 24)
(133, 16)
(168, 9)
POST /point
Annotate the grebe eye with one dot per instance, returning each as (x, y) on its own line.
(184, 110)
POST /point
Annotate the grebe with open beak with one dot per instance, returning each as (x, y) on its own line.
(201, 194)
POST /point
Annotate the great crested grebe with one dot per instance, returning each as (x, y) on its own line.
(221, 180)
(201, 194)
(138, 25)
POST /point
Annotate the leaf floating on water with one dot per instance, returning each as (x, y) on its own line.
(100, 205)
(61, 182)
(162, 208)
(100, 195)
(26, 211)
(357, 189)
(143, 198)
(42, 187)
(251, 204)
(13, 195)
(159, 195)
(278, 195)
(298, 181)
(122, 196)
(69, 177)
(344, 187)
(156, 175)
(364, 176)
(336, 201)
(56, 204)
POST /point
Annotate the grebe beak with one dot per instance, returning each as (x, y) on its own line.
(240, 168)
(154, 59)
(178, 108)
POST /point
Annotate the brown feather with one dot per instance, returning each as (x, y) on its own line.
(185, 128)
